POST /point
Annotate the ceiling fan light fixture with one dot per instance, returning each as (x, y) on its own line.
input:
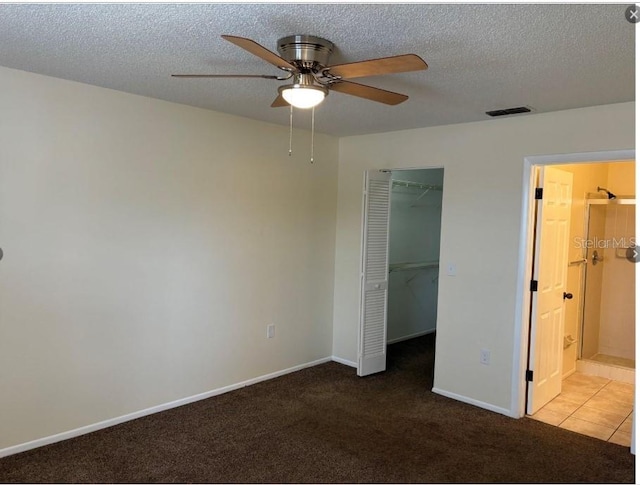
(303, 96)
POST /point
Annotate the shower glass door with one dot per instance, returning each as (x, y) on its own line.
(608, 321)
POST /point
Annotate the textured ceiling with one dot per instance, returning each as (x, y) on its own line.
(481, 57)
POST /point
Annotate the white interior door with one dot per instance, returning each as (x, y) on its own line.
(550, 272)
(372, 342)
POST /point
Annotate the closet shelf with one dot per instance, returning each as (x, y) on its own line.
(395, 267)
(414, 185)
(423, 189)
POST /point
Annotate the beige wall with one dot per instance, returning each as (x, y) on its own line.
(147, 246)
(622, 178)
(481, 220)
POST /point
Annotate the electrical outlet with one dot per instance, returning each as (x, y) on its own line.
(271, 331)
(485, 356)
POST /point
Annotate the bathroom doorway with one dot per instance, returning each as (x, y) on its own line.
(597, 334)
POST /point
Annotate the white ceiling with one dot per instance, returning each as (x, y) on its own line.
(481, 57)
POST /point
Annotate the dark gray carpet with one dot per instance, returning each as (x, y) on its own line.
(324, 424)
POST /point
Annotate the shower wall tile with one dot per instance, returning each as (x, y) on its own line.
(617, 312)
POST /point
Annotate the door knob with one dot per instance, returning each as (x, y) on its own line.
(567, 296)
(595, 258)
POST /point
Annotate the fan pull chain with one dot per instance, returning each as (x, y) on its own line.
(290, 127)
(313, 125)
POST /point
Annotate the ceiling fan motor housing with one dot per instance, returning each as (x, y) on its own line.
(305, 58)
(305, 51)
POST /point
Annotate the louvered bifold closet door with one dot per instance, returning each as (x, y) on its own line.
(372, 353)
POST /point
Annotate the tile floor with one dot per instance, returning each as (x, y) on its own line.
(591, 405)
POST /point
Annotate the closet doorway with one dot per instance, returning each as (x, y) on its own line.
(400, 262)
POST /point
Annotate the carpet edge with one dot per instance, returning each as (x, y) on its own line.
(90, 428)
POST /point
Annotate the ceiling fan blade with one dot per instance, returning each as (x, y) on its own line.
(279, 102)
(376, 67)
(257, 50)
(226, 76)
(368, 92)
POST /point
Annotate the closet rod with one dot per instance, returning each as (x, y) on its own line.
(416, 185)
(413, 266)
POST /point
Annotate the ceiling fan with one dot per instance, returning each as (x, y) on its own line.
(305, 59)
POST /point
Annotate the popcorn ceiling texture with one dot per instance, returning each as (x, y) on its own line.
(481, 57)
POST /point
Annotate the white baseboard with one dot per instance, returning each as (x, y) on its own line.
(474, 402)
(340, 360)
(47, 440)
(409, 337)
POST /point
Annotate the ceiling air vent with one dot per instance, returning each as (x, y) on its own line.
(509, 111)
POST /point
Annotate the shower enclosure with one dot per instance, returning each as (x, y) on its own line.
(608, 313)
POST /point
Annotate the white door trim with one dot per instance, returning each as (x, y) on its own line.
(525, 255)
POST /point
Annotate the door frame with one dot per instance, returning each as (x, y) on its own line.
(525, 260)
